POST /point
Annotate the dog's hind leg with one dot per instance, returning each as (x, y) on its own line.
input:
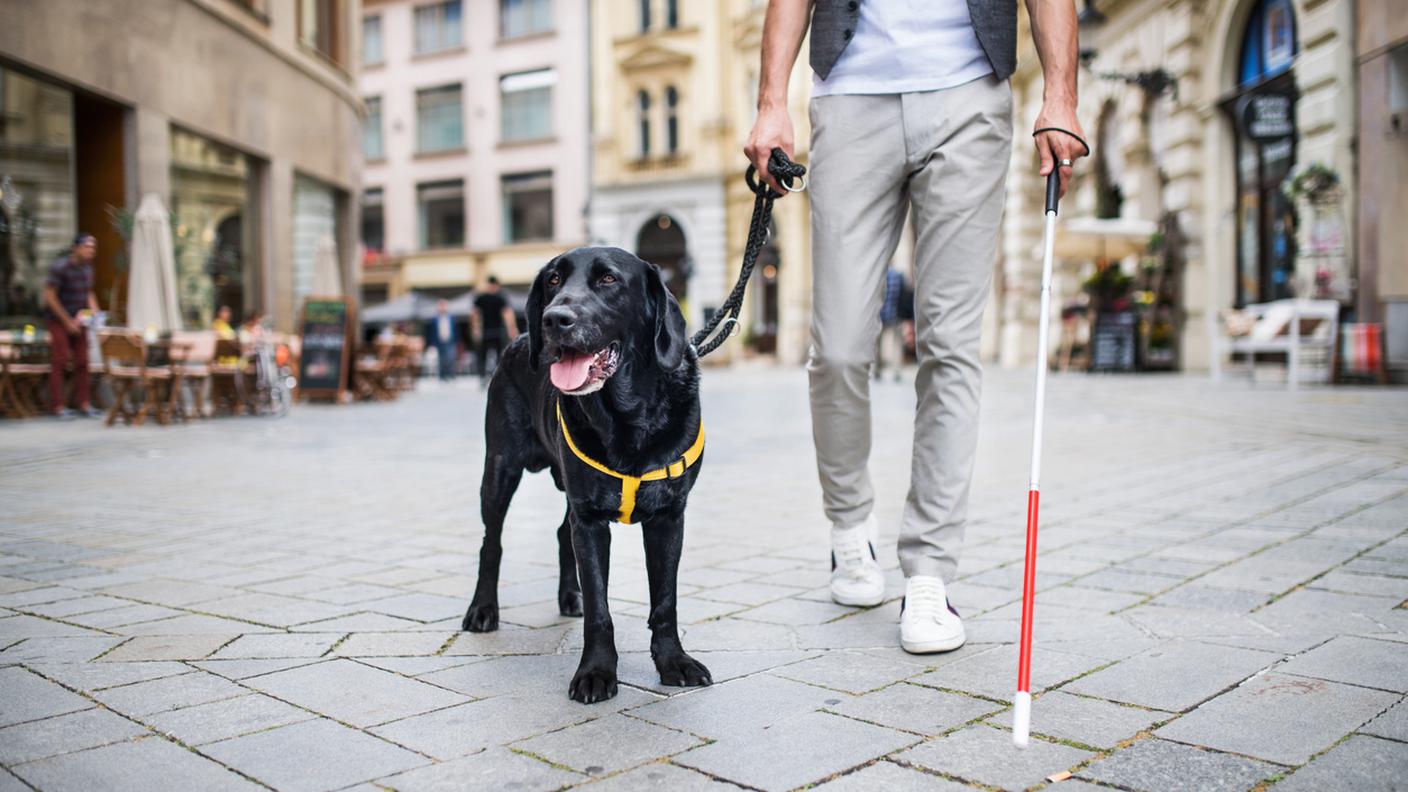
(569, 591)
(664, 541)
(501, 477)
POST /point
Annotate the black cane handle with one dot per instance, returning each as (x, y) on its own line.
(1053, 189)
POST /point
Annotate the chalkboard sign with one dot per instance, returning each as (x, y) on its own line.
(327, 347)
(1113, 342)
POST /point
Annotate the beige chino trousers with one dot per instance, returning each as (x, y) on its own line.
(945, 154)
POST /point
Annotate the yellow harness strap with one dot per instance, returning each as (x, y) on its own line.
(629, 484)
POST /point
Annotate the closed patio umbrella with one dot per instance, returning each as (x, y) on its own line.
(327, 281)
(151, 283)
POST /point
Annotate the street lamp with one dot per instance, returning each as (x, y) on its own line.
(1153, 82)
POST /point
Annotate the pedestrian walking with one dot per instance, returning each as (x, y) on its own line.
(69, 305)
(892, 341)
(910, 110)
(441, 334)
(494, 325)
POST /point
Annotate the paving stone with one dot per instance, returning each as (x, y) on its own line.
(168, 693)
(1162, 766)
(1364, 764)
(60, 650)
(986, 755)
(38, 595)
(796, 611)
(29, 696)
(419, 607)
(496, 768)
(851, 672)
(1371, 585)
(916, 709)
(1080, 597)
(658, 776)
(747, 593)
(729, 634)
(10, 783)
(416, 666)
(354, 693)
(147, 765)
(1173, 677)
(96, 676)
(75, 731)
(221, 720)
(1175, 622)
(172, 593)
(608, 744)
(193, 624)
(800, 750)
(892, 778)
(499, 675)
(464, 729)
(1099, 724)
(74, 607)
(392, 644)
(1358, 661)
(1222, 599)
(244, 669)
(167, 647)
(721, 709)
(1296, 717)
(1392, 724)
(272, 609)
(113, 618)
(328, 756)
(14, 628)
(639, 669)
(270, 646)
(993, 673)
(508, 640)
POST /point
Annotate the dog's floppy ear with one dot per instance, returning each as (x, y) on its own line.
(670, 338)
(534, 312)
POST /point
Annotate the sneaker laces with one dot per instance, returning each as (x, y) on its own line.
(927, 599)
(850, 556)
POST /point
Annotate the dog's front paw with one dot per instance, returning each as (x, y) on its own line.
(481, 618)
(681, 670)
(591, 685)
(569, 602)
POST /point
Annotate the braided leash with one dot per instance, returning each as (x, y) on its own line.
(785, 171)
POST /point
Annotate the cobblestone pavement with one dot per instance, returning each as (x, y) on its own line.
(252, 603)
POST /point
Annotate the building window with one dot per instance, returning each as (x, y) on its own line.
(441, 209)
(438, 27)
(1269, 44)
(643, 119)
(527, 199)
(525, 105)
(373, 222)
(439, 119)
(645, 15)
(524, 17)
(213, 200)
(672, 121)
(672, 14)
(318, 23)
(371, 41)
(314, 233)
(372, 145)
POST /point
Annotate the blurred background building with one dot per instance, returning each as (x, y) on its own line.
(674, 88)
(475, 141)
(241, 115)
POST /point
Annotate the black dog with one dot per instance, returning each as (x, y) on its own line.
(615, 415)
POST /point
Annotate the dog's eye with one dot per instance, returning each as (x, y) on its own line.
(554, 279)
(608, 279)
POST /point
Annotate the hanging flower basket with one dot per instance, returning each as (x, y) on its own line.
(1315, 183)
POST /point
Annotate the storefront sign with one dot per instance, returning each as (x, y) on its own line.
(1268, 116)
(1113, 341)
(327, 347)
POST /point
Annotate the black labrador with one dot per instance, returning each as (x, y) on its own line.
(614, 414)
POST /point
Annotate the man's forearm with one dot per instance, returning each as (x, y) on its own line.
(784, 27)
(1054, 33)
(51, 299)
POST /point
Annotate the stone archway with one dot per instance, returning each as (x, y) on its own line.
(661, 241)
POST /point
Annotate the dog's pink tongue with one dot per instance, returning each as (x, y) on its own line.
(571, 372)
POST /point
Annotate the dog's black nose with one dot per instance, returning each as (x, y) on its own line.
(558, 318)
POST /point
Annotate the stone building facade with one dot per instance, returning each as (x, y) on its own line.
(239, 114)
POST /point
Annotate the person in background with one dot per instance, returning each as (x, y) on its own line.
(221, 324)
(494, 325)
(892, 340)
(69, 304)
(440, 332)
(253, 328)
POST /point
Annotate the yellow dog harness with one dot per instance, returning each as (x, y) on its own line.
(629, 484)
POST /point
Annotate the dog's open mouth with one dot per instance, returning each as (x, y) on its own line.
(579, 373)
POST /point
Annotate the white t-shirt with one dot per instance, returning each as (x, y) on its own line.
(904, 46)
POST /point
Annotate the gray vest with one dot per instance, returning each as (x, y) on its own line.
(995, 22)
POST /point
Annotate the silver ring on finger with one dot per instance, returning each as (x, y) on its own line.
(1065, 163)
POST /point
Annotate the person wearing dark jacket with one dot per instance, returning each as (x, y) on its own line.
(440, 333)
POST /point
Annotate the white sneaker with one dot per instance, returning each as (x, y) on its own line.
(927, 622)
(856, 578)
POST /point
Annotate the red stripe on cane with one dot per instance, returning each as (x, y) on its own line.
(1024, 658)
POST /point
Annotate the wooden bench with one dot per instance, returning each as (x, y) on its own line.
(1288, 327)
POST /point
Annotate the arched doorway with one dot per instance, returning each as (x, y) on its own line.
(661, 242)
(765, 311)
(1261, 108)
